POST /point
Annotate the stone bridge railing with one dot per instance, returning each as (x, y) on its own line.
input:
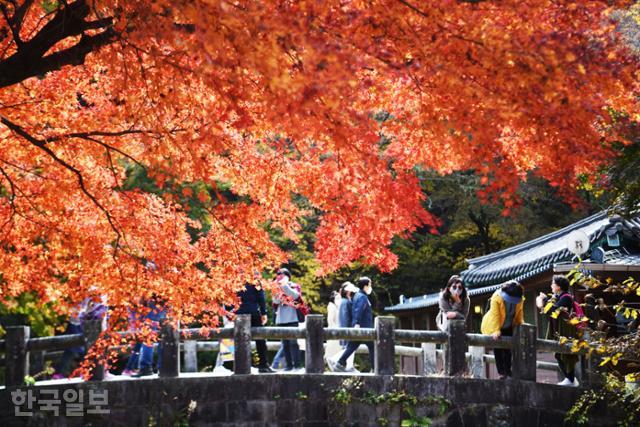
(462, 352)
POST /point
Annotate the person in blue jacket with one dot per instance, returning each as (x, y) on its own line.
(361, 317)
(156, 314)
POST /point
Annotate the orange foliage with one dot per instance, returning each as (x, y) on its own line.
(278, 98)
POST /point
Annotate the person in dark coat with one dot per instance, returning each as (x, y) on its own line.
(361, 317)
(561, 301)
(253, 302)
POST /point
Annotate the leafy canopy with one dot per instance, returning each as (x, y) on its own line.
(260, 103)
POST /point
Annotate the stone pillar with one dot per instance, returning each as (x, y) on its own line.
(36, 362)
(588, 370)
(524, 352)
(477, 362)
(429, 363)
(455, 348)
(170, 354)
(190, 351)
(242, 345)
(385, 350)
(314, 351)
(92, 330)
(17, 356)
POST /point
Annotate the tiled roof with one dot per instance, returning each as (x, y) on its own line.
(538, 255)
(432, 299)
(528, 259)
(611, 258)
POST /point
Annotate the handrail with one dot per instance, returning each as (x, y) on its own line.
(461, 351)
(417, 336)
(480, 340)
(60, 342)
(213, 333)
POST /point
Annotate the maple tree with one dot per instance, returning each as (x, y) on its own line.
(247, 104)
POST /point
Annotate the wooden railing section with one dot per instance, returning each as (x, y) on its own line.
(463, 353)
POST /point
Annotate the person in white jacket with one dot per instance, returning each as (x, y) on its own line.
(333, 346)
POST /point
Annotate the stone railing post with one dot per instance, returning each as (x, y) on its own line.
(429, 362)
(170, 354)
(36, 362)
(17, 356)
(587, 370)
(456, 348)
(314, 351)
(190, 350)
(524, 352)
(242, 345)
(91, 330)
(385, 350)
(477, 368)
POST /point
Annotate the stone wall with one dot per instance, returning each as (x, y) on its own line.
(311, 400)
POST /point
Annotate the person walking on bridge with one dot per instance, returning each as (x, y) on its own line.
(361, 317)
(253, 302)
(285, 296)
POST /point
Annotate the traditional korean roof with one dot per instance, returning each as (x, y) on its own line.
(430, 300)
(537, 256)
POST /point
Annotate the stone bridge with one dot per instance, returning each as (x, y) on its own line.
(457, 396)
(300, 400)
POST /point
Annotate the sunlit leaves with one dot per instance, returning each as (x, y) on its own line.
(226, 115)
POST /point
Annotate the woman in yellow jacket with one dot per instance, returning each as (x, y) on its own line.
(504, 314)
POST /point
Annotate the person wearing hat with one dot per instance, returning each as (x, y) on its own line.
(361, 317)
(285, 294)
(344, 321)
(504, 314)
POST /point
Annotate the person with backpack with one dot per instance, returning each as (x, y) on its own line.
(504, 314)
(285, 295)
(562, 302)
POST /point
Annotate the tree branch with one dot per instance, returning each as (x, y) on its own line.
(11, 198)
(12, 27)
(29, 61)
(18, 16)
(43, 146)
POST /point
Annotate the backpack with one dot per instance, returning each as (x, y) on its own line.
(302, 309)
(578, 313)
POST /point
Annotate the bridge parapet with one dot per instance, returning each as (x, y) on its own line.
(463, 353)
(309, 400)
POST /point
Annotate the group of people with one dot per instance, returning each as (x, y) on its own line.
(348, 308)
(506, 312)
